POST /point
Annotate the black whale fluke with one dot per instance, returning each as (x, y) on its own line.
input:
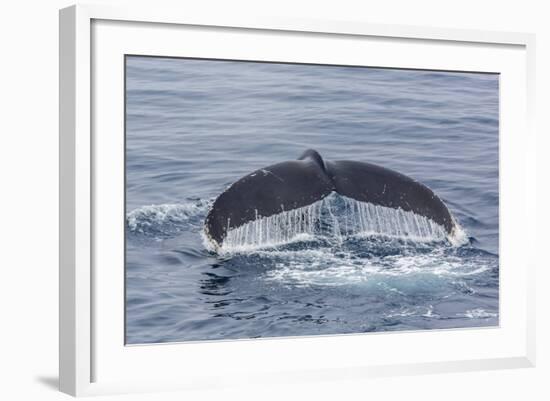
(298, 183)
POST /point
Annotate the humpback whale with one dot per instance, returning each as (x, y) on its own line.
(295, 184)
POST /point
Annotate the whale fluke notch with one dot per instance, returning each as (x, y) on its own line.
(297, 183)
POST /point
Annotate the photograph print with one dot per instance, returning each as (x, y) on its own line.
(269, 199)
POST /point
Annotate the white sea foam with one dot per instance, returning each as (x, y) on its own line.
(158, 217)
(422, 311)
(325, 267)
(336, 217)
(479, 313)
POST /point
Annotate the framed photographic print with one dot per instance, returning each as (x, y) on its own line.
(294, 199)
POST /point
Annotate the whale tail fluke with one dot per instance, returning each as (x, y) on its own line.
(298, 183)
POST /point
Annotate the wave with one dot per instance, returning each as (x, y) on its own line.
(166, 219)
(336, 218)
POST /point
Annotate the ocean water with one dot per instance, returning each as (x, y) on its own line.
(193, 127)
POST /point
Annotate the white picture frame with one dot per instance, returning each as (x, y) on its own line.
(93, 357)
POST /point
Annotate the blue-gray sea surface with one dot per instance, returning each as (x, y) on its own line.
(195, 126)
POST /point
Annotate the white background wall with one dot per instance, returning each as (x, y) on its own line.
(29, 185)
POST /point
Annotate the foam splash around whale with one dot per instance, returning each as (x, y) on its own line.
(336, 218)
(161, 221)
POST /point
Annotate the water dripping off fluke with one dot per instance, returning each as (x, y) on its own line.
(334, 218)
